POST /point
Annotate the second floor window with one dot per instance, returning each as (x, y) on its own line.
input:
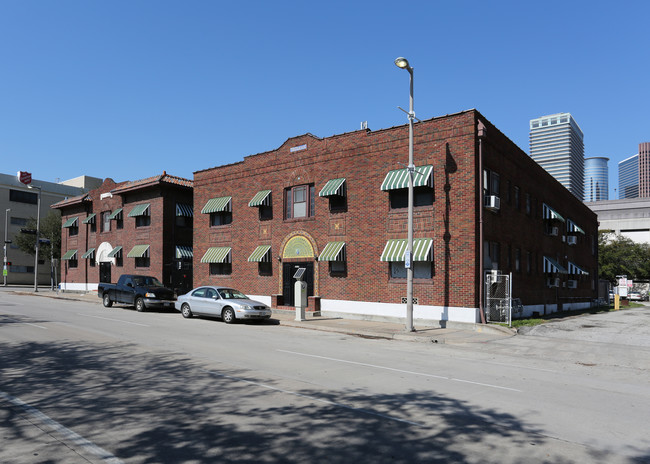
(299, 202)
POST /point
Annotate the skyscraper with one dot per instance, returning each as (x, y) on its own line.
(628, 178)
(596, 179)
(644, 169)
(557, 144)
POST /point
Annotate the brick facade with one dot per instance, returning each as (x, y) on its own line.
(162, 233)
(451, 145)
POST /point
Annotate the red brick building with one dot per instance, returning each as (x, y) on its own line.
(338, 208)
(140, 227)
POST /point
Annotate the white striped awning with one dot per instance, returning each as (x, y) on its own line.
(552, 267)
(333, 251)
(572, 227)
(70, 254)
(217, 255)
(184, 252)
(117, 214)
(71, 222)
(217, 205)
(140, 210)
(184, 210)
(550, 213)
(333, 187)
(395, 249)
(261, 254)
(399, 178)
(139, 251)
(90, 254)
(115, 252)
(574, 269)
(261, 198)
(90, 219)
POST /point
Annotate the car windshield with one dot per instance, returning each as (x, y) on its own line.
(231, 294)
(141, 281)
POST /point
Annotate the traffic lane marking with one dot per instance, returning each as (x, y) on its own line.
(422, 374)
(114, 320)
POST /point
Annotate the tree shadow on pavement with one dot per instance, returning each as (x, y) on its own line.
(159, 407)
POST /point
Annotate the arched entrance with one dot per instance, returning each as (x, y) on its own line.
(298, 252)
(104, 262)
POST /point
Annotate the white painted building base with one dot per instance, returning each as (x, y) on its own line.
(542, 310)
(78, 287)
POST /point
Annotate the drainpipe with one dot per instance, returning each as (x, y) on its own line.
(481, 135)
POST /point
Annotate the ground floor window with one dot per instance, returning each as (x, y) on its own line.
(265, 268)
(72, 263)
(220, 268)
(338, 268)
(142, 262)
(421, 270)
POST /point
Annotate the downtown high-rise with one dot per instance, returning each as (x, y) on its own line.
(628, 178)
(596, 179)
(557, 144)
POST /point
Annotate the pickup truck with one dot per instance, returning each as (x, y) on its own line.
(137, 290)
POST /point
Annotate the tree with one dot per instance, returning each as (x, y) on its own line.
(618, 255)
(50, 230)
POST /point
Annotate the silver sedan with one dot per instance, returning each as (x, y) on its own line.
(223, 302)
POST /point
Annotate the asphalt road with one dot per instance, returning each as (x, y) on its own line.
(82, 383)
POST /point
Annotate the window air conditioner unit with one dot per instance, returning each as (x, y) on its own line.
(555, 231)
(572, 240)
(553, 282)
(572, 284)
(492, 202)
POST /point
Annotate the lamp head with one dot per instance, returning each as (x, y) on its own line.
(402, 62)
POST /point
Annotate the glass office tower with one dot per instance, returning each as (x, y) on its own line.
(557, 144)
(596, 179)
(628, 178)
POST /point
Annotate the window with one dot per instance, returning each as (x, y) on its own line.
(18, 221)
(266, 212)
(529, 262)
(299, 202)
(93, 227)
(421, 270)
(220, 218)
(142, 221)
(142, 261)
(509, 192)
(517, 203)
(422, 196)
(492, 254)
(72, 263)
(23, 197)
(517, 260)
(106, 221)
(529, 207)
(265, 268)
(338, 268)
(220, 268)
(338, 204)
(73, 230)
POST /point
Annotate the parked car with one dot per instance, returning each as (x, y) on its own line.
(225, 303)
(137, 290)
(634, 296)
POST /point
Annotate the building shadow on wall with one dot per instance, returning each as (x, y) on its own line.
(450, 168)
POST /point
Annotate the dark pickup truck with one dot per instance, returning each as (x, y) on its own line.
(140, 291)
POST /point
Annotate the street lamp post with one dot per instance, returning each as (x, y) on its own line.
(38, 233)
(408, 258)
(4, 268)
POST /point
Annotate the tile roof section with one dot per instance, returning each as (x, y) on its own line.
(72, 201)
(164, 178)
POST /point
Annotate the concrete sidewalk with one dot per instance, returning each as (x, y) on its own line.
(466, 333)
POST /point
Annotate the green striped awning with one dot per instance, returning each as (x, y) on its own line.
(184, 210)
(90, 254)
(115, 214)
(184, 252)
(261, 254)
(216, 205)
(116, 252)
(70, 254)
(333, 251)
(333, 187)
(572, 227)
(550, 213)
(71, 222)
(217, 255)
(395, 249)
(399, 178)
(575, 269)
(552, 267)
(140, 210)
(90, 219)
(261, 198)
(138, 251)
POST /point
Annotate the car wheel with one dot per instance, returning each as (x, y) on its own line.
(139, 304)
(228, 315)
(186, 311)
(107, 301)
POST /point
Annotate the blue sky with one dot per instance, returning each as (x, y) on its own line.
(127, 89)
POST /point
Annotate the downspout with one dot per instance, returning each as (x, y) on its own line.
(481, 135)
